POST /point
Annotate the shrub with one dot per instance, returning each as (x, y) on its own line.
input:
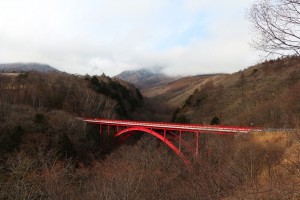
(12, 139)
(39, 118)
(215, 120)
(181, 119)
(66, 147)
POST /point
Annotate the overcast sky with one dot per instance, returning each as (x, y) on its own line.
(94, 36)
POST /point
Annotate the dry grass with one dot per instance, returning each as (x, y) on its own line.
(279, 177)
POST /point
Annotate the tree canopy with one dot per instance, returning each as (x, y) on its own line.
(277, 25)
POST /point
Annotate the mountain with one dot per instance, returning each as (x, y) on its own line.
(267, 94)
(145, 78)
(26, 67)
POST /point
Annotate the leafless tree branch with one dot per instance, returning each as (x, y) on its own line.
(277, 24)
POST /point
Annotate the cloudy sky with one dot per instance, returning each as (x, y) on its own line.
(95, 36)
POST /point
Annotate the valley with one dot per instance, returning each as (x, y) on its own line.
(47, 153)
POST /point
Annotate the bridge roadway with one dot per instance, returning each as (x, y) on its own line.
(174, 126)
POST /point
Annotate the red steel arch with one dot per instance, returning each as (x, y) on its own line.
(159, 136)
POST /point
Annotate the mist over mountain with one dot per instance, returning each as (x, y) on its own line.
(26, 67)
(144, 78)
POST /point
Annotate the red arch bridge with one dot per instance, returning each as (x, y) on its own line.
(183, 139)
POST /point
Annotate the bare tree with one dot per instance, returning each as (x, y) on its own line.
(277, 24)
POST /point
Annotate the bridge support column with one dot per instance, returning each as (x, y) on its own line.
(197, 144)
(180, 141)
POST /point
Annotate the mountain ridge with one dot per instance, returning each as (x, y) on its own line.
(26, 67)
(144, 78)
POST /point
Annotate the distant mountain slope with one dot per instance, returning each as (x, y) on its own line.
(175, 93)
(144, 78)
(26, 67)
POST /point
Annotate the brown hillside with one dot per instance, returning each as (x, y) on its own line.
(267, 94)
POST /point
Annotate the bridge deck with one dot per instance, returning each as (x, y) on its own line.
(173, 126)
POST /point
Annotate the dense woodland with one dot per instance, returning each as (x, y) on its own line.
(48, 153)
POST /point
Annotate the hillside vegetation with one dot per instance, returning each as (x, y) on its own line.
(82, 96)
(42, 109)
(255, 166)
(266, 94)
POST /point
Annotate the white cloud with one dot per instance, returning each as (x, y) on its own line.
(95, 36)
